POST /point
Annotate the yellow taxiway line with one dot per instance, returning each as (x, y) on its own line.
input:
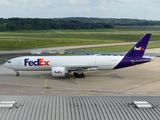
(45, 87)
(80, 87)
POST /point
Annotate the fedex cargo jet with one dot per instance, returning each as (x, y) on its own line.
(63, 65)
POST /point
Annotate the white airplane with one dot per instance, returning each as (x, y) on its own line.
(63, 65)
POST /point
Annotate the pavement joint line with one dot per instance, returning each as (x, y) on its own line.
(20, 85)
(80, 87)
(45, 87)
(150, 81)
(129, 88)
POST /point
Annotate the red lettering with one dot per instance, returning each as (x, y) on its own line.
(40, 62)
(46, 63)
(142, 48)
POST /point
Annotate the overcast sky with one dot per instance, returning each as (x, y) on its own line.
(140, 9)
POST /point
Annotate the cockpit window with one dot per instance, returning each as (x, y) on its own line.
(9, 61)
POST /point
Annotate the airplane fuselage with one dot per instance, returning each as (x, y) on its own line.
(38, 63)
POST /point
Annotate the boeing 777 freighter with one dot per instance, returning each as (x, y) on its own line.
(63, 65)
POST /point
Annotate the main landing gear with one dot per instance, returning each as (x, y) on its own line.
(17, 73)
(79, 75)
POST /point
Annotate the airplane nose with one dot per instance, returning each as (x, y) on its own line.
(5, 64)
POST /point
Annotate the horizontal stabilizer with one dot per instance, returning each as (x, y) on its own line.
(140, 61)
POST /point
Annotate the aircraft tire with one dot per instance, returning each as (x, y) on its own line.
(76, 75)
(17, 75)
(83, 76)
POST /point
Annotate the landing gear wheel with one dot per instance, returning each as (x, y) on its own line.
(17, 74)
(82, 75)
(74, 73)
(79, 75)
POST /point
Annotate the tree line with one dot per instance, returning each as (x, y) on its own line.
(114, 21)
(13, 24)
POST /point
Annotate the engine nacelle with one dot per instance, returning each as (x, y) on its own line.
(58, 71)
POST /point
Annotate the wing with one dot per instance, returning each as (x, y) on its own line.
(77, 67)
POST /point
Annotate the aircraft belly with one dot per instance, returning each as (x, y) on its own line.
(35, 69)
(105, 67)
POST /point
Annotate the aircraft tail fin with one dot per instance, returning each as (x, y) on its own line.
(139, 48)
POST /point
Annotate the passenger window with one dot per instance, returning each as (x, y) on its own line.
(9, 61)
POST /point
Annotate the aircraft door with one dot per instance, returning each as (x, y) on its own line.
(19, 64)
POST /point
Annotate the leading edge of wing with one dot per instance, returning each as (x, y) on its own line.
(77, 66)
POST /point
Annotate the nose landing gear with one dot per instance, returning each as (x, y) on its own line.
(79, 75)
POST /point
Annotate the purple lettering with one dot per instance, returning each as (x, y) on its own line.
(25, 62)
(36, 63)
(30, 63)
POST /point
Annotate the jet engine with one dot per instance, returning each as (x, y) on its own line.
(59, 71)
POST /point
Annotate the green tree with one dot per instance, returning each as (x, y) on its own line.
(4, 26)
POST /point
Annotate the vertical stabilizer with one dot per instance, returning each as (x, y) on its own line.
(139, 49)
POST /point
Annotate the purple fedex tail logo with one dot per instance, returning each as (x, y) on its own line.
(139, 49)
(38, 62)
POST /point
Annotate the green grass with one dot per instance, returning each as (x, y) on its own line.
(52, 38)
(119, 48)
(110, 48)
